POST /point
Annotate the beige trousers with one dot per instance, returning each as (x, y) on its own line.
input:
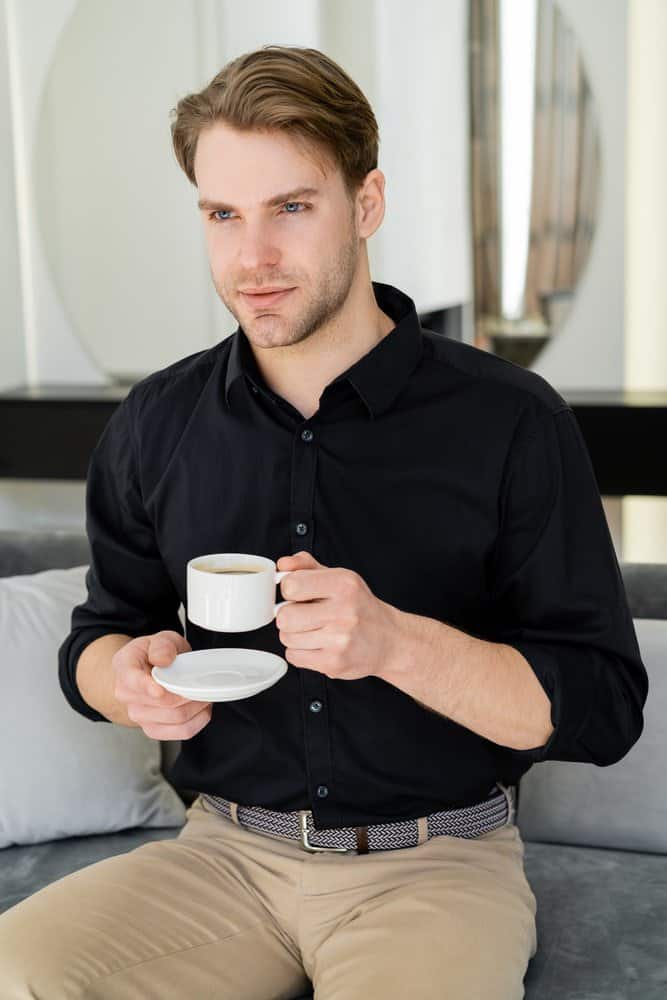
(221, 912)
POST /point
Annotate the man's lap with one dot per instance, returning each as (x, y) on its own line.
(220, 911)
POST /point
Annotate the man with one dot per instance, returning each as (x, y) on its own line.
(458, 610)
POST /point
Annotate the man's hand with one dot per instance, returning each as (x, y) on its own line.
(338, 627)
(161, 714)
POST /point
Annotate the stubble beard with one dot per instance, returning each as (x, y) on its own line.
(330, 296)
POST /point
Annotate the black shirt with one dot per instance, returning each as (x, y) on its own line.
(457, 484)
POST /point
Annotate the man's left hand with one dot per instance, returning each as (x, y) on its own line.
(336, 626)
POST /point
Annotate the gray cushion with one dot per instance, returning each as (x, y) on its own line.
(33, 551)
(25, 869)
(646, 589)
(623, 806)
(601, 919)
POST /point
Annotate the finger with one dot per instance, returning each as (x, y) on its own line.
(300, 560)
(181, 730)
(181, 642)
(316, 639)
(162, 650)
(309, 659)
(164, 647)
(134, 673)
(154, 694)
(304, 616)
(167, 715)
(310, 584)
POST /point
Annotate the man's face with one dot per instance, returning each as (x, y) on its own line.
(306, 242)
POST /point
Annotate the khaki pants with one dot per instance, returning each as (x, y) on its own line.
(221, 912)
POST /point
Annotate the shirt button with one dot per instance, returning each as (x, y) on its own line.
(307, 435)
(253, 388)
(316, 706)
(301, 528)
(322, 791)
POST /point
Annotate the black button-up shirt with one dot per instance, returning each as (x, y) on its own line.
(455, 483)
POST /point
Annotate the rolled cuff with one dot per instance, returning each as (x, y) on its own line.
(567, 692)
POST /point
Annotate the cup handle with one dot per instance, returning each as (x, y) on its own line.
(279, 575)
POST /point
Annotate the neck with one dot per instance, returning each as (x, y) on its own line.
(300, 372)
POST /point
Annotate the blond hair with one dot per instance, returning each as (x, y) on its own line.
(299, 91)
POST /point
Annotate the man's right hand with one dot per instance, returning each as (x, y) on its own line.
(161, 714)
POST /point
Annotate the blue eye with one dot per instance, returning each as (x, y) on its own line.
(214, 215)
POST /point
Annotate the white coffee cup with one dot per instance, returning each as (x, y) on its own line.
(220, 599)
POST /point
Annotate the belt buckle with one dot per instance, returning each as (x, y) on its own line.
(313, 848)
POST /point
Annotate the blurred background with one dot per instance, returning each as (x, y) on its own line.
(524, 143)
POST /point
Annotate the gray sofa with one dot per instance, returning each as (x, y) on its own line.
(602, 898)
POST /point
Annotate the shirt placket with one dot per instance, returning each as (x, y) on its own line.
(313, 683)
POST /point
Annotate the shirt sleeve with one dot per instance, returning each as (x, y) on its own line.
(559, 598)
(129, 589)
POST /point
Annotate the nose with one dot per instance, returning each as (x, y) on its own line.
(257, 250)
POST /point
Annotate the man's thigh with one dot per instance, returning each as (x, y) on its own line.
(170, 919)
(453, 920)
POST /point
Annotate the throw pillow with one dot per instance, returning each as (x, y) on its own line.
(63, 775)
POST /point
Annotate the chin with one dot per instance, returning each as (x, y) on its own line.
(267, 334)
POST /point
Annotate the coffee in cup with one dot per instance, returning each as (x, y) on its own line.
(232, 571)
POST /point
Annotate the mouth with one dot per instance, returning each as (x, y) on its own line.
(259, 300)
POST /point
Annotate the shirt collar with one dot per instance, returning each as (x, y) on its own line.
(378, 376)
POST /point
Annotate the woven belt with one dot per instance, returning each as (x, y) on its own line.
(470, 821)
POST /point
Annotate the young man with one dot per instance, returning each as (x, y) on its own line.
(458, 612)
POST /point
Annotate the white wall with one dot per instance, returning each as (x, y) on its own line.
(48, 334)
(421, 103)
(12, 351)
(645, 518)
(646, 202)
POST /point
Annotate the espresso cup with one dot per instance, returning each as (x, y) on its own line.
(232, 591)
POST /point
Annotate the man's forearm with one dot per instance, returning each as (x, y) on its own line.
(488, 687)
(94, 678)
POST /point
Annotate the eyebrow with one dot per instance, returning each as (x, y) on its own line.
(205, 204)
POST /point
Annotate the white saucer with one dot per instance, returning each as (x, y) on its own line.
(220, 674)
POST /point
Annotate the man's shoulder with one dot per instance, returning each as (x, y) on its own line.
(179, 383)
(506, 378)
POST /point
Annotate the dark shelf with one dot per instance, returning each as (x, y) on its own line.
(625, 432)
(48, 432)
